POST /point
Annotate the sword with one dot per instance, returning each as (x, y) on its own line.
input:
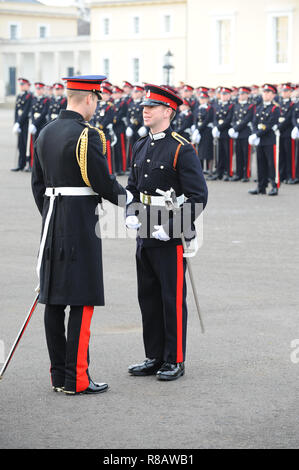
(28, 140)
(172, 204)
(215, 152)
(20, 334)
(277, 179)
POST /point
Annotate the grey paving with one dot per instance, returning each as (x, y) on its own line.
(241, 387)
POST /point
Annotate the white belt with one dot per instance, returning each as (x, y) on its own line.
(52, 193)
(158, 200)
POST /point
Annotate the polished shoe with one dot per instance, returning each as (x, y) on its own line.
(58, 389)
(235, 178)
(245, 180)
(226, 178)
(92, 389)
(273, 192)
(28, 169)
(148, 367)
(212, 177)
(257, 191)
(170, 371)
(17, 169)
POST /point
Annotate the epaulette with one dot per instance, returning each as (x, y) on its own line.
(81, 150)
(142, 137)
(180, 138)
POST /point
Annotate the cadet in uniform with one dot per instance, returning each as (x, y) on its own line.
(119, 115)
(69, 177)
(184, 120)
(286, 145)
(22, 110)
(222, 123)
(57, 102)
(266, 117)
(135, 127)
(163, 160)
(203, 131)
(295, 137)
(241, 130)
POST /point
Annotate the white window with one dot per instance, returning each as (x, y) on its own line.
(136, 25)
(167, 23)
(43, 31)
(106, 26)
(136, 69)
(106, 67)
(224, 33)
(14, 31)
(279, 40)
(222, 41)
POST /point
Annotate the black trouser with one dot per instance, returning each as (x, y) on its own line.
(243, 154)
(285, 158)
(266, 165)
(120, 153)
(225, 157)
(69, 355)
(162, 300)
(22, 144)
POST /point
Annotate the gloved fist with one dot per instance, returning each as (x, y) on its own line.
(215, 132)
(129, 132)
(142, 131)
(32, 129)
(295, 133)
(195, 139)
(132, 222)
(232, 133)
(160, 233)
(16, 128)
(253, 139)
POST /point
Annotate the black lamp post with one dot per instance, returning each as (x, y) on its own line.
(168, 66)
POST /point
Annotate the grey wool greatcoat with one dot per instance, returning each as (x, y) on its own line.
(71, 269)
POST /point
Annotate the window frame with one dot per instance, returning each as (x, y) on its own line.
(274, 66)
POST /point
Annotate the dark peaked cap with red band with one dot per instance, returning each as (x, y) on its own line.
(156, 95)
(90, 83)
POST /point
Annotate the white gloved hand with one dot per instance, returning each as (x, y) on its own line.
(142, 131)
(191, 248)
(160, 233)
(253, 139)
(295, 133)
(129, 132)
(215, 133)
(193, 127)
(129, 197)
(16, 128)
(32, 129)
(195, 139)
(232, 133)
(132, 222)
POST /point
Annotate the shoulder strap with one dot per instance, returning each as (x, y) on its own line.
(176, 156)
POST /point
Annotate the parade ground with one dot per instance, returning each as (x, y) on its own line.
(241, 386)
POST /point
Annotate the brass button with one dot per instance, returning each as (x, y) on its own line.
(148, 160)
(145, 176)
(162, 166)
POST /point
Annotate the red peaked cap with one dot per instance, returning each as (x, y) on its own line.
(244, 89)
(85, 83)
(268, 87)
(156, 95)
(58, 86)
(24, 81)
(39, 85)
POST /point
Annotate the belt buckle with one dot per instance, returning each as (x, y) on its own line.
(146, 199)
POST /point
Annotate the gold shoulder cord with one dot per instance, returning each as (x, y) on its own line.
(81, 151)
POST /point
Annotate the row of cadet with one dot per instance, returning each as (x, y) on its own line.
(224, 125)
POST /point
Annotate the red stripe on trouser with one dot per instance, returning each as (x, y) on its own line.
(293, 159)
(109, 156)
(231, 157)
(248, 162)
(82, 379)
(123, 150)
(179, 302)
(31, 151)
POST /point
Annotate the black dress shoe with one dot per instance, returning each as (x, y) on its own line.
(58, 389)
(245, 180)
(170, 371)
(235, 178)
(257, 191)
(212, 177)
(16, 169)
(148, 367)
(226, 178)
(273, 192)
(92, 389)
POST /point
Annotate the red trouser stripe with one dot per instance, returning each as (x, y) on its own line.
(31, 151)
(123, 151)
(231, 148)
(109, 156)
(82, 380)
(249, 162)
(179, 302)
(293, 159)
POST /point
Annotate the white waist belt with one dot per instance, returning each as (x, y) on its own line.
(158, 200)
(52, 193)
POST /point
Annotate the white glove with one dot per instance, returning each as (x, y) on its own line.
(132, 222)
(142, 131)
(193, 127)
(129, 132)
(16, 128)
(215, 133)
(195, 139)
(129, 197)
(295, 133)
(253, 139)
(191, 248)
(32, 129)
(160, 233)
(232, 133)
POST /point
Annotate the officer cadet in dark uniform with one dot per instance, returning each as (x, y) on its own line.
(286, 145)
(135, 127)
(39, 109)
(295, 137)
(103, 120)
(222, 122)
(240, 131)
(255, 97)
(127, 96)
(184, 120)
(57, 102)
(202, 135)
(266, 117)
(120, 109)
(163, 160)
(69, 177)
(20, 128)
(188, 95)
